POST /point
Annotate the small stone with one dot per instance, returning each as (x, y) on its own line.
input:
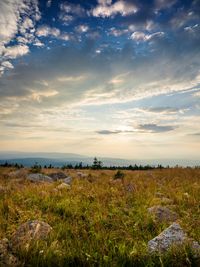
(39, 177)
(30, 231)
(162, 213)
(68, 180)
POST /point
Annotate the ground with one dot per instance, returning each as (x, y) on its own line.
(101, 221)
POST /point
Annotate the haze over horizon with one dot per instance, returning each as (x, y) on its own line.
(107, 78)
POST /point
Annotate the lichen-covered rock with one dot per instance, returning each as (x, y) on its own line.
(162, 213)
(39, 177)
(58, 176)
(7, 259)
(63, 186)
(28, 232)
(173, 235)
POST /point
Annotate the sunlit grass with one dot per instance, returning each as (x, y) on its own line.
(98, 222)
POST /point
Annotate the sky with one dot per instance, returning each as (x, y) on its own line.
(106, 78)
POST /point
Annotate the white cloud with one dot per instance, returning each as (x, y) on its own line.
(7, 64)
(70, 8)
(46, 31)
(143, 37)
(17, 17)
(66, 18)
(117, 32)
(38, 43)
(82, 28)
(107, 9)
(16, 51)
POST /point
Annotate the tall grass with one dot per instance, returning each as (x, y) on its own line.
(98, 222)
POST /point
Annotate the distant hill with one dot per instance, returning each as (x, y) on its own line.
(59, 159)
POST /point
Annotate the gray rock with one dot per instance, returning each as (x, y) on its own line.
(68, 180)
(173, 235)
(58, 176)
(6, 257)
(28, 232)
(38, 177)
(162, 213)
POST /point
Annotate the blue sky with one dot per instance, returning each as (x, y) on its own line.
(107, 78)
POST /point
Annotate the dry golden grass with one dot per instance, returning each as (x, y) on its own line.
(101, 221)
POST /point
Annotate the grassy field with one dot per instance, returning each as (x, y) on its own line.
(101, 221)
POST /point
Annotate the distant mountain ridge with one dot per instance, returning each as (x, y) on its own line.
(59, 159)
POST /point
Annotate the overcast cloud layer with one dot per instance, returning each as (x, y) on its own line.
(111, 78)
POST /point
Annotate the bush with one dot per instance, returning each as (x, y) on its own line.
(119, 175)
(36, 168)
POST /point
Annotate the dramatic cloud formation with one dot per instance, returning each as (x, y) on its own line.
(82, 76)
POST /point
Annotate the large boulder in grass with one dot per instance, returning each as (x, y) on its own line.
(39, 177)
(173, 236)
(7, 259)
(57, 176)
(162, 214)
(29, 232)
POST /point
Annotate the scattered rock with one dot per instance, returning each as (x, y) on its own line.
(162, 213)
(38, 177)
(173, 235)
(82, 175)
(6, 257)
(30, 231)
(63, 186)
(68, 180)
(58, 176)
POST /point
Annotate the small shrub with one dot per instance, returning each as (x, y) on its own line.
(36, 168)
(119, 175)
